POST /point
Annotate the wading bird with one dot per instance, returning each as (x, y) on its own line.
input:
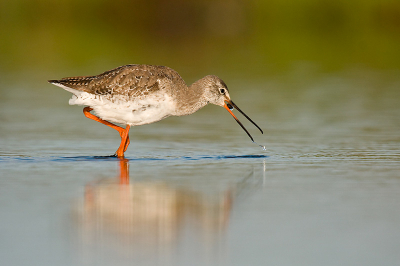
(135, 95)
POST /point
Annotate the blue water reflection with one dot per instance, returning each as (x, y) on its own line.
(154, 219)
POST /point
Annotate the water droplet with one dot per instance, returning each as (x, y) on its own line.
(262, 147)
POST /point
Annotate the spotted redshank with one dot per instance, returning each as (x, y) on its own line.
(135, 95)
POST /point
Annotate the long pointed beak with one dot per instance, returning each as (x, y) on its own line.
(229, 105)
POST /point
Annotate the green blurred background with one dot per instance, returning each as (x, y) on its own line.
(236, 38)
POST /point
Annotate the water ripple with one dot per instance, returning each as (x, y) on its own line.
(114, 158)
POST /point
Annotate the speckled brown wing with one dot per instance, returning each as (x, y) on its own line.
(76, 83)
(129, 80)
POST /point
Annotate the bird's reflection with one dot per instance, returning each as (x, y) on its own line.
(131, 215)
(150, 214)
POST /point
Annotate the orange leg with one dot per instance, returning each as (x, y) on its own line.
(123, 132)
(124, 142)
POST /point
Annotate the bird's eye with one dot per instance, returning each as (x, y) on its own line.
(222, 91)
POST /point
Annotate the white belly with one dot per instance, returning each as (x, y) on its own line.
(118, 109)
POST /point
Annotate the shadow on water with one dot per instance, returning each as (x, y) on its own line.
(188, 158)
(114, 158)
(152, 218)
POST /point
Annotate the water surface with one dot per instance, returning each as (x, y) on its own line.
(194, 190)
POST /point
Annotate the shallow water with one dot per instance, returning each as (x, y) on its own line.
(195, 190)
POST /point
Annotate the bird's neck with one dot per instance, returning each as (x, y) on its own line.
(193, 99)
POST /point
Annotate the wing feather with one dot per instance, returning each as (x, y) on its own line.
(130, 80)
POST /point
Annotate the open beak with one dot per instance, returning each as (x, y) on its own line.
(229, 105)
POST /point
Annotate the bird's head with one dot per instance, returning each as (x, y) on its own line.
(216, 92)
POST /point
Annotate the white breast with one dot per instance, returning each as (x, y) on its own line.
(119, 109)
